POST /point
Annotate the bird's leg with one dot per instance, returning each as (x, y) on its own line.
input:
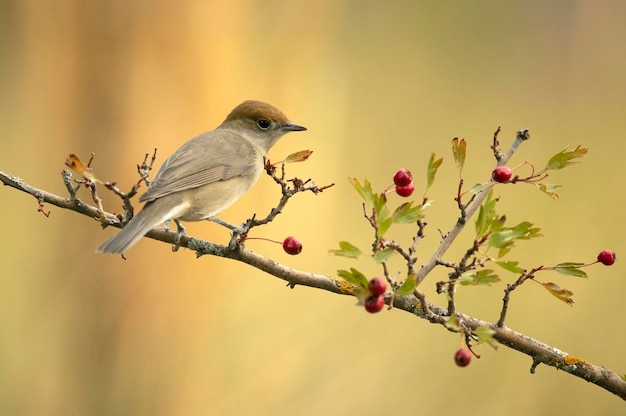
(180, 231)
(238, 230)
(166, 225)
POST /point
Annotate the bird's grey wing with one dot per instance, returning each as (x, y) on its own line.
(207, 158)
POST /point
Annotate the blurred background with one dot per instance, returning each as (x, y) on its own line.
(380, 86)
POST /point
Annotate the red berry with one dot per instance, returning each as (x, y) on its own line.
(292, 246)
(463, 357)
(405, 190)
(377, 286)
(606, 257)
(374, 303)
(402, 177)
(501, 174)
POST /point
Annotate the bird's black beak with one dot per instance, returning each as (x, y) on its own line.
(293, 127)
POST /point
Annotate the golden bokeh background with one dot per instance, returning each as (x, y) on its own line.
(380, 86)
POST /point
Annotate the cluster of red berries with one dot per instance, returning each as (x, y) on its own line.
(404, 182)
(376, 301)
(292, 246)
(463, 357)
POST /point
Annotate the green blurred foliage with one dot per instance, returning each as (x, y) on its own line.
(380, 86)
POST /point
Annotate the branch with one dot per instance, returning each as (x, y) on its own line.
(539, 352)
(470, 209)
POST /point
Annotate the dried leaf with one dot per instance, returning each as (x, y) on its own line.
(300, 156)
(549, 189)
(79, 167)
(558, 292)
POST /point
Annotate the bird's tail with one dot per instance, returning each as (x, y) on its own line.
(152, 214)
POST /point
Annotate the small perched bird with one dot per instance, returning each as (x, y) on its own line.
(208, 173)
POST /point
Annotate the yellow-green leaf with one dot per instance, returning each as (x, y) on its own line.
(485, 215)
(453, 324)
(347, 250)
(478, 277)
(565, 158)
(408, 286)
(384, 254)
(431, 171)
(571, 269)
(407, 213)
(512, 266)
(459, 150)
(479, 187)
(353, 276)
(485, 336)
(383, 226)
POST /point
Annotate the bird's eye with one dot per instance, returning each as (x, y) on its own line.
(263, 123)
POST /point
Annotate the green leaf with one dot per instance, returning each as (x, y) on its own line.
(358, 187)
(486, 213)
(365, 190)
(353, 276)
(480, 277)
(380, 205)
(512, 266)
(558, 292)
(453, 324)
(347, 250)
(383, 226)
(565, 158)
(431, 171)
(525, 231)
(506, 236)
(570, 269)
(549, 189)
(502, 238)
(361, 294)
(408, 286)
(485, 336)
(504, 251)
(479, 187)
(407, 213)
(384, 254)
(459, 150)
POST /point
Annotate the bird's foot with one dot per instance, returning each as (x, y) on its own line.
(180, 232)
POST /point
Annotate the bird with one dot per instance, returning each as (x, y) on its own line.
(208, 173)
